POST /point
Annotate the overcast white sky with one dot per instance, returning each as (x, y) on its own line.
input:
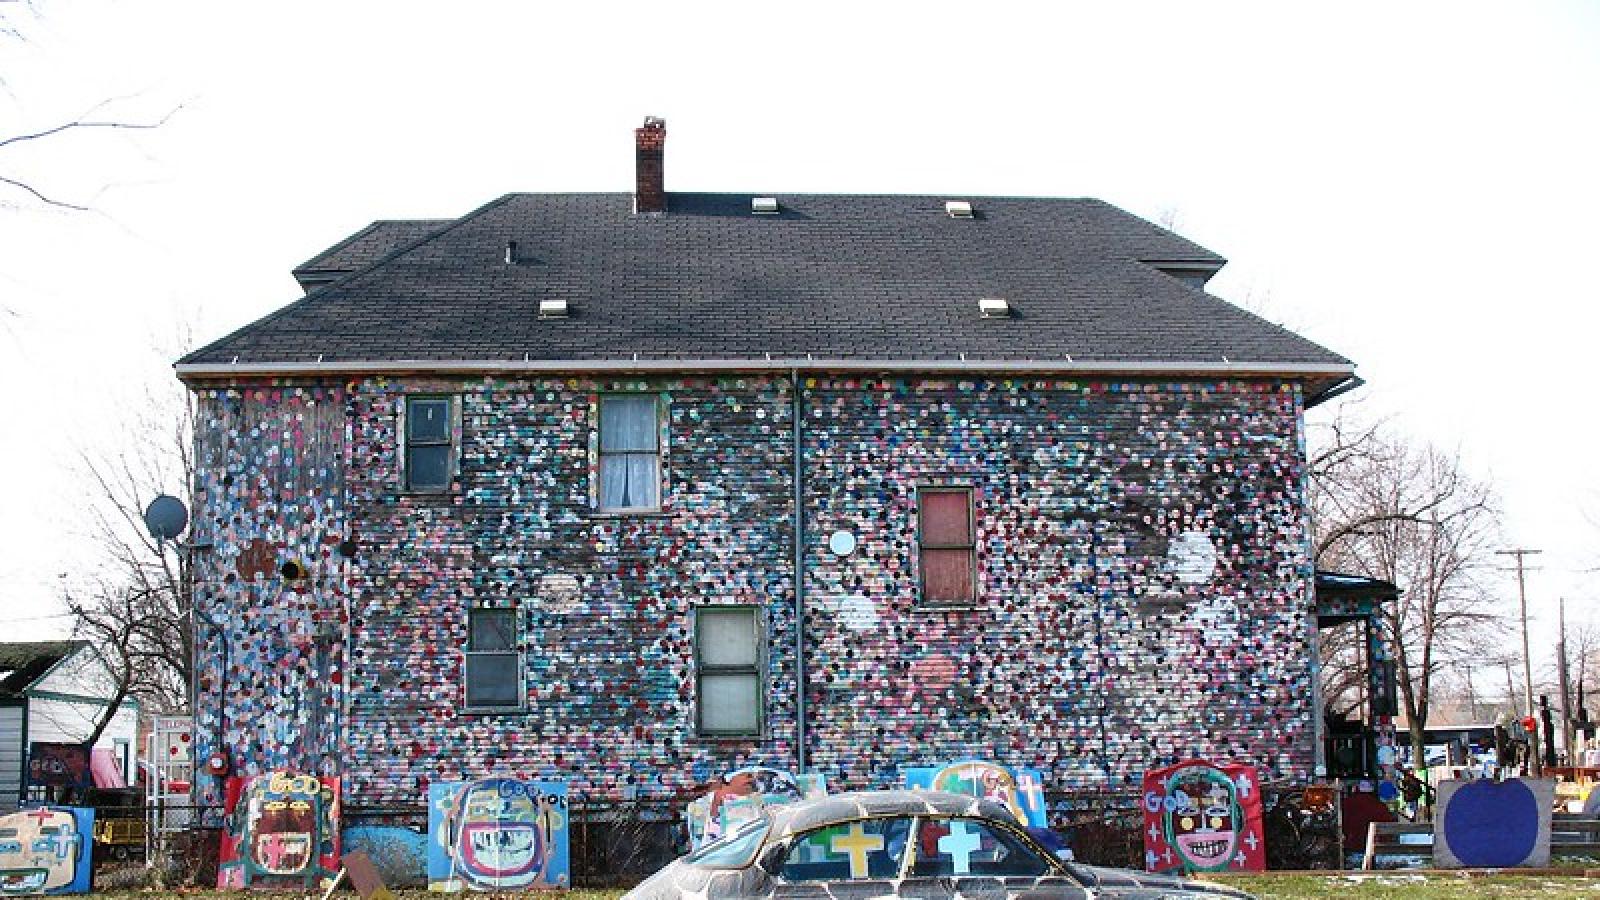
(1412, 185)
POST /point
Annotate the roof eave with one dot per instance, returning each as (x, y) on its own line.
(1320, 372)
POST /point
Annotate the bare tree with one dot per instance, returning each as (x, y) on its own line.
(136, 608)
(1411, 515)
(14, 15)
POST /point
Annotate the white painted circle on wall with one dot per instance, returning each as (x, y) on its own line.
(842, 543)
(1193, 557)
(856, 613)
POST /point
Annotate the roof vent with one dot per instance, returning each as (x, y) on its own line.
(994, 307)
(958, 209)
(553, 308)
(764, 206)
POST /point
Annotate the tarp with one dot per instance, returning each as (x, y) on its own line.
(107, 772)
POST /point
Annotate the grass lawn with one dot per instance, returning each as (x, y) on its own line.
(1349, 886)
(1413, 886)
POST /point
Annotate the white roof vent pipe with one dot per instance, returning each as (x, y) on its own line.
(764, 206)
(553, 308)
(994, 307)
(958, 209)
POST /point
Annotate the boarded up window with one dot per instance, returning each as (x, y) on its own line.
(948, 558)
(494, 664)
(727, 646)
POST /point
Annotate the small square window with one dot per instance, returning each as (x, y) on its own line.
(430, 449)
(493, 662)
(630, 452)
(728, 684)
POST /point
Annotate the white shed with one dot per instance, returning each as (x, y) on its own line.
(55, 692)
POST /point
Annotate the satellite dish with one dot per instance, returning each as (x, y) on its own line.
(166, 517)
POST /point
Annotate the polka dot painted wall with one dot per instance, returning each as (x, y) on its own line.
(1098, 646)
(1142, 580)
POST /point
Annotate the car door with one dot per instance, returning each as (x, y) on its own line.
(858, 858)
(958, 856)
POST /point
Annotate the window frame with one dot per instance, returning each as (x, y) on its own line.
(907, 850)
(601, 453)
(1052, 864)
(757, 668)
(467, 654)
(971, 546)
(449, 443)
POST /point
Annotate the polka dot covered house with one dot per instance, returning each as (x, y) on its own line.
(634, 489)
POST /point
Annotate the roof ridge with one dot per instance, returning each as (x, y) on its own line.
(345, 279)
(359, 234)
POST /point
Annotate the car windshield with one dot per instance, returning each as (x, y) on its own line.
(732, 851)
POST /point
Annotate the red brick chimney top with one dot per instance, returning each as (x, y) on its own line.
(650, 141)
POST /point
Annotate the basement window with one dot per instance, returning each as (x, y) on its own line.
(947, 552)
(727, 656)
(493, 661)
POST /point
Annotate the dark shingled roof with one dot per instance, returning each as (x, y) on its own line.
(882, 278)
(363, 248)
(21, 664)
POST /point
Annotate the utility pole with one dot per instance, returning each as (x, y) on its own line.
(1567, 746)
(1522, 597)
(1527, 665)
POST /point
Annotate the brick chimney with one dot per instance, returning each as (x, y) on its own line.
(650, 139)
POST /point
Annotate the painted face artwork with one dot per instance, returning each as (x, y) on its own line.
(1203, 817)
(497, 834)
(1203, 823)
(281, 828)
(45, 851)
(500, 839)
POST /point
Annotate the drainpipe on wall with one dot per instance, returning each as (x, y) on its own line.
(799, 585)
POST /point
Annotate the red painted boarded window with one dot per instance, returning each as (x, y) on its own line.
(948, 551)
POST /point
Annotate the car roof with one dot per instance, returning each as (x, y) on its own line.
(808, 814)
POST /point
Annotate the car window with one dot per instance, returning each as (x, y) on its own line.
(866, 848)
(971, 847)
(734, 850)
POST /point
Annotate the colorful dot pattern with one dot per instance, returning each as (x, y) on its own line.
(1085, 656)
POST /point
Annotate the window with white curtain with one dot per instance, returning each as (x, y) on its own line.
(727, 653)
(630, 452)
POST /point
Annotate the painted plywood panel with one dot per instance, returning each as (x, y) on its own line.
(1493, 824)
(46, 851)
(1201, 816)
(280, 830)
(497, 834)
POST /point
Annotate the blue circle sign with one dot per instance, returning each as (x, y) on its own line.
(1491, 824)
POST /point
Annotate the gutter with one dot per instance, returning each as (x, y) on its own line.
(1067, 366)
(799, 582)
